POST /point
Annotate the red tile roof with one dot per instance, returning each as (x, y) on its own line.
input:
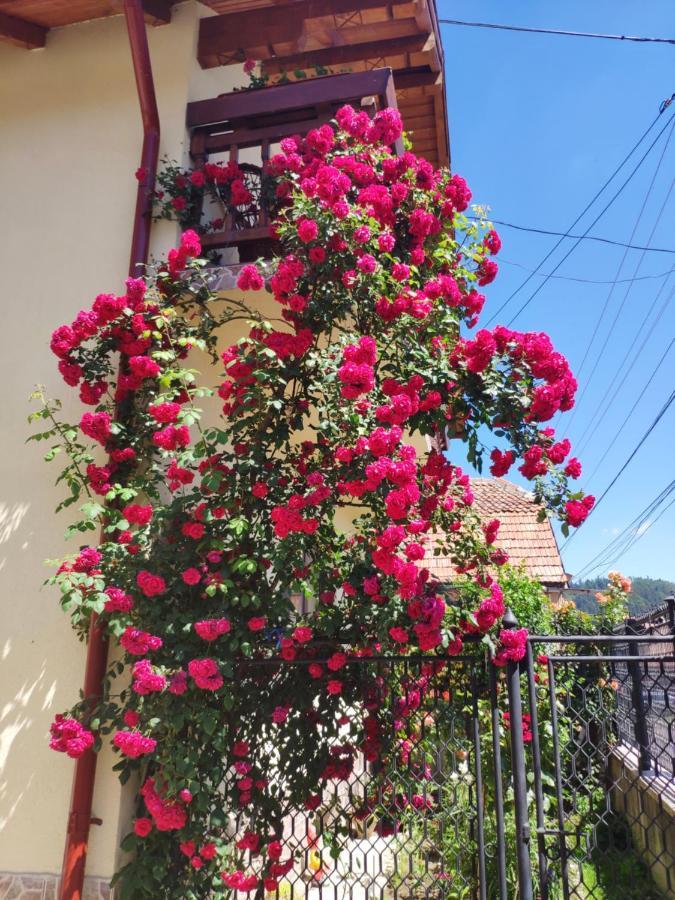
(527, 541)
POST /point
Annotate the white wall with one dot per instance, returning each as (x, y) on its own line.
(70, 138)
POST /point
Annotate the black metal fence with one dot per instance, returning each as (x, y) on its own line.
(605, 812)
(548, 778)
(407, 820)
(646, 718)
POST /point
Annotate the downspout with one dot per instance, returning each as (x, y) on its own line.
(79, 816)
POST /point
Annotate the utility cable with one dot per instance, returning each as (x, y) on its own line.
(660, 415)
(613, 554)
(583, 34)
(510, 262)
(594, 222)
(577, 220)
(641, 532)
(639, 399)
(596, 420)
(629, 534)
(606, 553)
(610, 293)
(565, 234)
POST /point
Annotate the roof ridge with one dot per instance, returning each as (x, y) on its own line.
(503, 483)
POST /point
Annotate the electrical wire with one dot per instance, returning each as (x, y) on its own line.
(623, 539)
(584, 34)
(576, 221)
(641, 532)
(510, 262)
(565, 234)
(596, 420)
(610, 293)
(616, 547)
(659, 416)
(639, 398)
(594, 222)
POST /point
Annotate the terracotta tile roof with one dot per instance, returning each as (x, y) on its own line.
(527, 541)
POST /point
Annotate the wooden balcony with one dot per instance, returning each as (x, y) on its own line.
(291, 37)
(247, 126)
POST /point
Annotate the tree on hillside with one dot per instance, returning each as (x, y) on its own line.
(647, 593)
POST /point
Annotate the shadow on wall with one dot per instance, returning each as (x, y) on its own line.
(11, 517)
(17, 733)
(33, 646)
(16, 715)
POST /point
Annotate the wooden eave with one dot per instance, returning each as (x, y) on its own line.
(26, 23)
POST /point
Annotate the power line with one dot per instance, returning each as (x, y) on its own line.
(577, 220)
(660, 415)
(594, 222)
(596, 420)
(581, 237)
(584, 34)
(641, 532)
(602, 557)
(632, 409)
(610, 293)
(618, 545)
(510, 262)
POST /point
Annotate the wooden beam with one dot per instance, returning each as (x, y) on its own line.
(233, 34)
(22, 33)
(372, 32)
(418, 77)
(287, 97)
(157, 12)
(346, 53)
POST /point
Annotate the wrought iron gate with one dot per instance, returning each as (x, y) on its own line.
(551, 778)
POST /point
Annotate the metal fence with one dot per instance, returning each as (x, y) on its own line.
(646, 719)
(604, 809)
(407, 820)
(547, 778)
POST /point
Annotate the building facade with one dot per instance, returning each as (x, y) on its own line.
(71, 141)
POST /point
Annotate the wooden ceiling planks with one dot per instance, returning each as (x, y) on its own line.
(313, 32)
(17, 16)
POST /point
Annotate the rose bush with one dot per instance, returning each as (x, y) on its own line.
(209, 530)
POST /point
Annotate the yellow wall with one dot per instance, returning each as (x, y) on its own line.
(69, 144)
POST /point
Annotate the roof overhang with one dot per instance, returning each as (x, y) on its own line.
(27, 23)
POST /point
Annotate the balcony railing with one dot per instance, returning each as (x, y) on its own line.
(247, 126)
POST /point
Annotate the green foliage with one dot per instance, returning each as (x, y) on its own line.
(646, 593)
(527, 599)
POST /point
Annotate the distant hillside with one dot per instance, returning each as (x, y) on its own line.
(645, 595)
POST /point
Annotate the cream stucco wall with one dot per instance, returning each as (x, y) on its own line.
(69, 144)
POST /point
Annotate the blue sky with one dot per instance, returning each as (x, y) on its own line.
(537, 124)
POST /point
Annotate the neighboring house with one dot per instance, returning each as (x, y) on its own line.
(71, 142)
(530, 543)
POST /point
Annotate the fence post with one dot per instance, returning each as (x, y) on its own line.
(499, 786)
(641, 733)
(671, 613)
(513, 670)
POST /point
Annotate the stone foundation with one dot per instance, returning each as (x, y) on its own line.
(20, 886)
